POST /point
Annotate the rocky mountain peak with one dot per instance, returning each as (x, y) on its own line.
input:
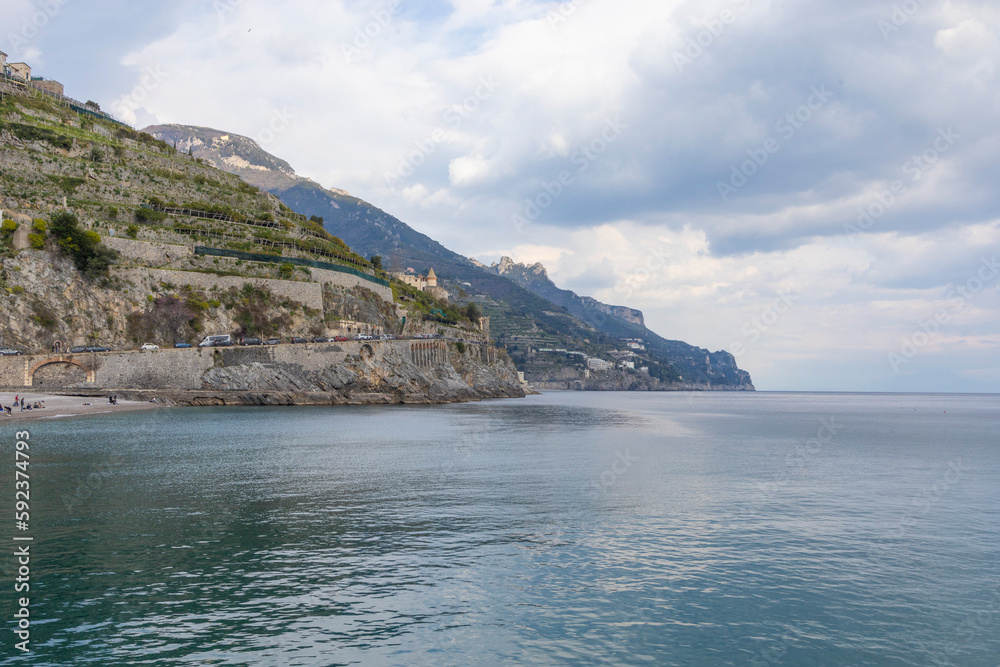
(508, 266)
(233, 153)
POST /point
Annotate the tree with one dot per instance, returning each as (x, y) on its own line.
(316, 218)
(472, 312)
(82, 245)
(376, 261)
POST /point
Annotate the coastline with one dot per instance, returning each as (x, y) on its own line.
(60, 406)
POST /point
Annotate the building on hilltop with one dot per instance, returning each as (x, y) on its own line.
(426, 283)
(595, 364)
(3, 62)
(20, 71)
(47, 84)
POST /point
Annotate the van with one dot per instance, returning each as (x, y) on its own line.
(216, 341)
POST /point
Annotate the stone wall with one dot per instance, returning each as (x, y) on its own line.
(151, 254)
(159, 254)
(428, 354)
(348, 281)
(359, 372)
(183, 368)
(308, 294)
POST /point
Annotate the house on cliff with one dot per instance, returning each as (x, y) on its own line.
(426, 283)
(20, 71)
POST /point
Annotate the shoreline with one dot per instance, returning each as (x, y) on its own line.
(60, 406)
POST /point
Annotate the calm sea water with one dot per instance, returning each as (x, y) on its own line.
(565, 529)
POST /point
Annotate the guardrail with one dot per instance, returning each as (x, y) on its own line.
(195, 213)
(74, 104)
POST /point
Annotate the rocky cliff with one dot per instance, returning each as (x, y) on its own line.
(528, 310)
(536, 279)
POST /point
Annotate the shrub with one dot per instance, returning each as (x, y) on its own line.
(43, 315)
(9, 227)
(132, 231)
(37, 241)
(146, 215)
(286, 270)
(32, 133)
(460, 346)
(17, 289)
(472, 313)
(83, 246)
(96, 154)
(39, 225)
(167, 318)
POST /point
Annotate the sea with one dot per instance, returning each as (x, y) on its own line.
(570, 528)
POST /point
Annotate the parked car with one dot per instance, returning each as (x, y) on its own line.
(340, 339)
(149, 346)
(320, 339)
(96, 348)
(365, 337)
(250, 341)
(299, 339)
(272, 341)
(182, 344)
(218, 340)
(9, 352)
(78, 348)
(387, 337)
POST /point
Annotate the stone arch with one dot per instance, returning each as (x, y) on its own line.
(67, 365)
(367, 352)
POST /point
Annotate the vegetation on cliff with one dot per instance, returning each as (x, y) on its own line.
(76, 183)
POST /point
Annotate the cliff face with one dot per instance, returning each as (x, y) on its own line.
(389, 371)
(391, 376)
(523, 302)
(536, 279)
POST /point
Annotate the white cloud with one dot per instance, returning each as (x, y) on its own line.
(641, 221)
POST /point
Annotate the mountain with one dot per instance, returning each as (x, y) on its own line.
(536, 279)
(528, 309)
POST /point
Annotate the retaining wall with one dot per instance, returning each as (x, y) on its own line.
(308, 294)
(183, 369)
(147, 252)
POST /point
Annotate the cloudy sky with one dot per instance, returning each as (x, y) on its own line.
(810, 184)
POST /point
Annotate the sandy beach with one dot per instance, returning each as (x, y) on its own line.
(57, 407)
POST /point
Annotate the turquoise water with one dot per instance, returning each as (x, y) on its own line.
(565, 529)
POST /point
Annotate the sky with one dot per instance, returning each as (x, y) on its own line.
(809, 184)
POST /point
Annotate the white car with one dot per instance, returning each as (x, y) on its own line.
(149, 346)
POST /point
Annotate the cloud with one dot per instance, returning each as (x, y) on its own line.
(764, 147)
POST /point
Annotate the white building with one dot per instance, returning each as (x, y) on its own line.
(595, 364)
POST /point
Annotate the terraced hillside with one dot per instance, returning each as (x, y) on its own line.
(527, 314)
(113, 237)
